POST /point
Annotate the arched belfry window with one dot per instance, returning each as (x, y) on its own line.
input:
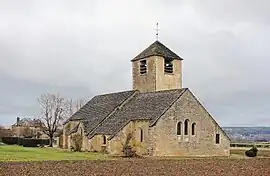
(179, 128)
(168, 66)
(143, 67)
(186, 127)
(193, 128)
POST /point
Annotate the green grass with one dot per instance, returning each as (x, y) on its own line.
(19, 153)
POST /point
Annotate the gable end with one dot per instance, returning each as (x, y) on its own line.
(211, 117)
(154, 121)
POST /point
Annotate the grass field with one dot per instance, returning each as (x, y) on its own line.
(19, 153)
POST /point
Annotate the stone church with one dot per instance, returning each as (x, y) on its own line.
(162, 117)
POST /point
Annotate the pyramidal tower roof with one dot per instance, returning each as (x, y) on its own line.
(157, 49)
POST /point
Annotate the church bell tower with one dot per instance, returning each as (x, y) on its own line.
(157, 68)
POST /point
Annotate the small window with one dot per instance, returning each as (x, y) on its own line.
(104, 140)
(141, 133)
(186, 126)
(179, 128)
(217, 138)
(168, 66)
(193, 128)
(143, 67)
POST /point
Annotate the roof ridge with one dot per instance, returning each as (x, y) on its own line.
(114, 93)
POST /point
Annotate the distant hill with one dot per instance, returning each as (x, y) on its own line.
(255, 134)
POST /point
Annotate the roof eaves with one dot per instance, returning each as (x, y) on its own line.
(150, 55)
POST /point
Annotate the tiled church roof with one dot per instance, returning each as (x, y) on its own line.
(157, 49)
(99, 107)
(109, 113)
(143, 106)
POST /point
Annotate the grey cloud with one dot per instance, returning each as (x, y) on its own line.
(84, 48)
(19, 97)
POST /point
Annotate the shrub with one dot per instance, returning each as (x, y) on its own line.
(20, 141)
(252, 152)
(128, 150)
(10, 140)
(77, 142)
(26, 142)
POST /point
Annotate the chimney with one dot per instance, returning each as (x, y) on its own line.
(18, 120)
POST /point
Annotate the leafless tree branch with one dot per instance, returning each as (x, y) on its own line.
(54, 110)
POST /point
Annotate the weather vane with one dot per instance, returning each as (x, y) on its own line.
(157, 31)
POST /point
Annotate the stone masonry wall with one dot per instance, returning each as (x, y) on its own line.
(117, 142)
(96, 143)
(167, 81)
(145, 82)
(67, 127)
(166, 142)
(155, 79)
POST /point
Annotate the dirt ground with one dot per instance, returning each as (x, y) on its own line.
(190, 167)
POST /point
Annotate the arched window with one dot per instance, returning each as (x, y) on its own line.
(193, 128)
(104, 139)
(179, 128)
(186, 126)
(141, 134)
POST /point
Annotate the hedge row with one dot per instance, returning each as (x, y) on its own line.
(26, 142)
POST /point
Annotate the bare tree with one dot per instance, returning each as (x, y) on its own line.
(75, 105)
(54, 111)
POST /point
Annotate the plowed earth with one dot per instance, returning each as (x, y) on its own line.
(189, 167)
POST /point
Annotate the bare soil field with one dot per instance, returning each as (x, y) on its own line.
(189, 167)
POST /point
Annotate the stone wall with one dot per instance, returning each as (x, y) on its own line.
(67, 127)
(85, 141)
(145, 82)
(116, 144)
(68, 138)
(167, 81)
(155, 79)
(166, 142)
(97, 143)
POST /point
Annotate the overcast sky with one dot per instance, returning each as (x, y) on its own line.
(83, 48)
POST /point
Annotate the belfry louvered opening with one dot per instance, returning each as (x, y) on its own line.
(143, 67)
(168, 66)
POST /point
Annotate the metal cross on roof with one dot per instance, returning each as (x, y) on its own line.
(157, 31)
